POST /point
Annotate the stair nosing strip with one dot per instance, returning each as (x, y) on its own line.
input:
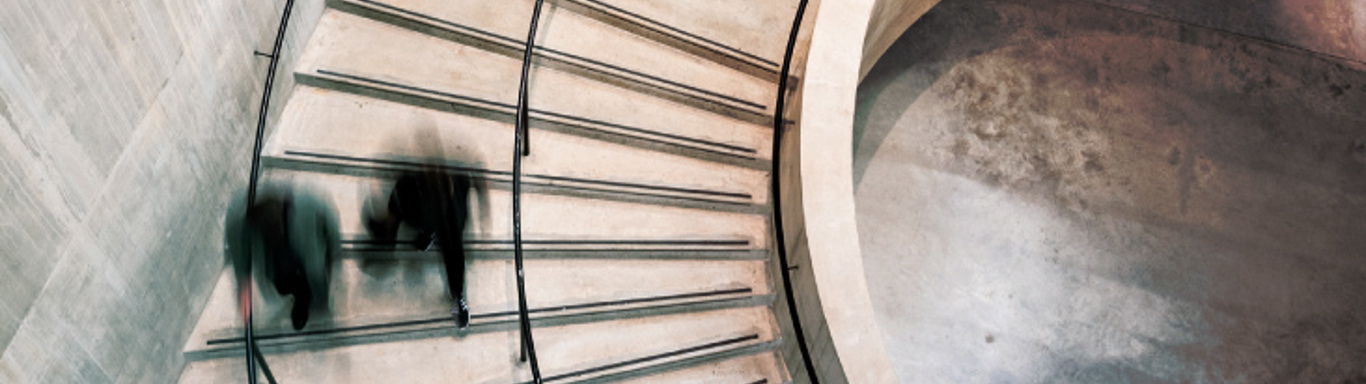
(649, 358)
(682, 254)
(429, 332)
(744, 349)
(645, 195)
(572, 118)
(414, 14)
(574, 242)
(513, 42)
(618, 184)
(680, 31)
(408, 323)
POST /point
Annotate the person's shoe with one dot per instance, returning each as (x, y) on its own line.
(461, 313)
(299, 314)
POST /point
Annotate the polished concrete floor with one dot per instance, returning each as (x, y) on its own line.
(1064, 192)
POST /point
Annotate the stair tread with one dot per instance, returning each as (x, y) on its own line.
(570, 35)
(327, 122)
(750, 369)
(756, 27)
(373, 292)
(350, 44)
(491, 357)
(544, 216)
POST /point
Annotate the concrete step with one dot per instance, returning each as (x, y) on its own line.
(571, 43)
(342, 133)
(597, 351)
(746, 35)
(370, 292)
(349, 44)
(548, 221)
(759, 368)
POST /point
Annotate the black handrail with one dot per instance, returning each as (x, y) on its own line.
(776, 192)
(522, 147)
(250, 346)
(270, 376)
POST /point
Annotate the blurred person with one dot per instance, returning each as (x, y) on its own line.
(436, 205)
(290, 236)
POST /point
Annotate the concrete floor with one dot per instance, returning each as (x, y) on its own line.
(1058, 191)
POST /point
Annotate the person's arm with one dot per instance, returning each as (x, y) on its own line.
(237, 249)
(244, 298)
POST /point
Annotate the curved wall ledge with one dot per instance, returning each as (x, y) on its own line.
(822, 240)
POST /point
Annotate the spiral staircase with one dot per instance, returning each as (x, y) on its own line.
(645, 202)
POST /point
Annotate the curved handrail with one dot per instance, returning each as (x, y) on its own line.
(250, 346)
(776, 192)
(521, 147)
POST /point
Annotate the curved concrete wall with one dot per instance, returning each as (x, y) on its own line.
(1064, 192)
(821, 236)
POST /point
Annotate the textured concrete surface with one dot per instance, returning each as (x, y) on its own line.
(1058, 191)
(1330, 27)
(124, 123)
(890, 19)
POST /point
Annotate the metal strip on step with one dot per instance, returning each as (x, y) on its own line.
(699, 93)
(470, 170)
(446, 319)
(685, 33)
(650, 358)
(582, 121)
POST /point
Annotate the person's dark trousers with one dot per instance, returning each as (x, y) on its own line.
(291, 280)
(451, 236)
(437, 205)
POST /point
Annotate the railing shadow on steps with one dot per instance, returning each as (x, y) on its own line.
(253, 354)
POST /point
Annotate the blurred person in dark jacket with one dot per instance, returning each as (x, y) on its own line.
(433, 202)
(290, 237)
(436, 205)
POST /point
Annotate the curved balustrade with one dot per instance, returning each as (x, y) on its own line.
(250, 346)
(522, 147)
(779, 126)
(831, 297)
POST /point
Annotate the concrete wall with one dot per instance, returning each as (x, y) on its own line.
(820, 237)
(1328, 27)
(890, 18)
(123, 126)
(1060, 191)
